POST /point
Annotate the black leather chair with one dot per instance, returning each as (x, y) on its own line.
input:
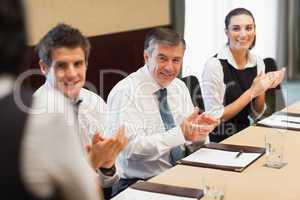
(193, 85)
(274, 97)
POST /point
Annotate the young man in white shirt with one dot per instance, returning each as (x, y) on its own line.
(64, 54)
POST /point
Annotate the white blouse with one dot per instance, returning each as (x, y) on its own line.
(212, 79)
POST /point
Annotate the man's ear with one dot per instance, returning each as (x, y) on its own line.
(43, 67)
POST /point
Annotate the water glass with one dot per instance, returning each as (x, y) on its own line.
(274, 144)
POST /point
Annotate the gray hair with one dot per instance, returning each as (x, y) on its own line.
(162, 36)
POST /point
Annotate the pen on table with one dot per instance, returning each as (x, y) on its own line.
(239, 153)
(292, 122)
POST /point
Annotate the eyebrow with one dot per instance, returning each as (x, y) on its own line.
(242, 25)
(161, 54)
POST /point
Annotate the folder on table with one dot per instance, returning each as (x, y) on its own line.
(224, 156)
(149, 191)
(282, 120)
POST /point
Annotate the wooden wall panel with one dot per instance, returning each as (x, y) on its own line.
(96, 17)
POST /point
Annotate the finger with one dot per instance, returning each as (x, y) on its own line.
(88, 148)
(199, 135)
(120, 132)
(202, 128)
(119, 143)
(259, 74)
(206, 119)
(96, 138)
(194, 114)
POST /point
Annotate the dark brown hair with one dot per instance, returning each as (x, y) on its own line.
(239, 11)
(62, 35)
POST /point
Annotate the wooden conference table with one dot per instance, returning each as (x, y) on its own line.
(256, 182)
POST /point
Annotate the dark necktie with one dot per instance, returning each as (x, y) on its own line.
(168, 120)
(76, 105)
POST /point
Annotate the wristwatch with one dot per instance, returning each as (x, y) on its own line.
(108, 171)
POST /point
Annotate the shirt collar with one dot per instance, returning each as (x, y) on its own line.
(153, 85)
(77, 101)
(226, 54)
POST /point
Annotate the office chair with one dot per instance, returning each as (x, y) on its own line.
(274, 97)
(193, 85)
(194, 88)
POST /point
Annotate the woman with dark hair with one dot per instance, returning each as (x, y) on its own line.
(234, 82)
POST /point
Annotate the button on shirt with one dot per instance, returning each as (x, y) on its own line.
(212, 80)
(133, 103)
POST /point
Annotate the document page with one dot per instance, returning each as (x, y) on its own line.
(133, 194)
(222, 157)
(282, 121)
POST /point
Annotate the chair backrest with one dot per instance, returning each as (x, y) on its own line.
(193, 85)
(274, 97)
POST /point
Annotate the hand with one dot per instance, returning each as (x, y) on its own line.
(276, 76)
(197, 127)
(103, 152)
(260, 84)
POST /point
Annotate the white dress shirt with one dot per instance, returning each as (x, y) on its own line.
(51, 155)
(212, 80)
(92, 113)
(132, 103)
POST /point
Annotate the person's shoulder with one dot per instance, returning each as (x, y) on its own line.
(40, 91)
(127, 84)
(212, 62)
(85, 93)
(91, 101)
(50, 101)
(177, 83)
(212, 66)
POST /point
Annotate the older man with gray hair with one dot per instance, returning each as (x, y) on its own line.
(156, 109)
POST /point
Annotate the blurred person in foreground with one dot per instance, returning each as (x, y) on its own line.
(40, 155)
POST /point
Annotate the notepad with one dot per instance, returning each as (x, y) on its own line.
(221, 157)
(282, 120)
(150, 191)
(224, 156)
(133, 194)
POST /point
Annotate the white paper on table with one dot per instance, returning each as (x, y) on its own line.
(282, 121)
(222, 157)
(133, 194)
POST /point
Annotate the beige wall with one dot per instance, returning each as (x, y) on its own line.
(95, 17)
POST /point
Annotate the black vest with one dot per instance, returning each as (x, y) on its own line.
(237, 82)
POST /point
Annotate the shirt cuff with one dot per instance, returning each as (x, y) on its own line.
(176, 137)
(217, 112)
(259, 115)
(108, 181)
